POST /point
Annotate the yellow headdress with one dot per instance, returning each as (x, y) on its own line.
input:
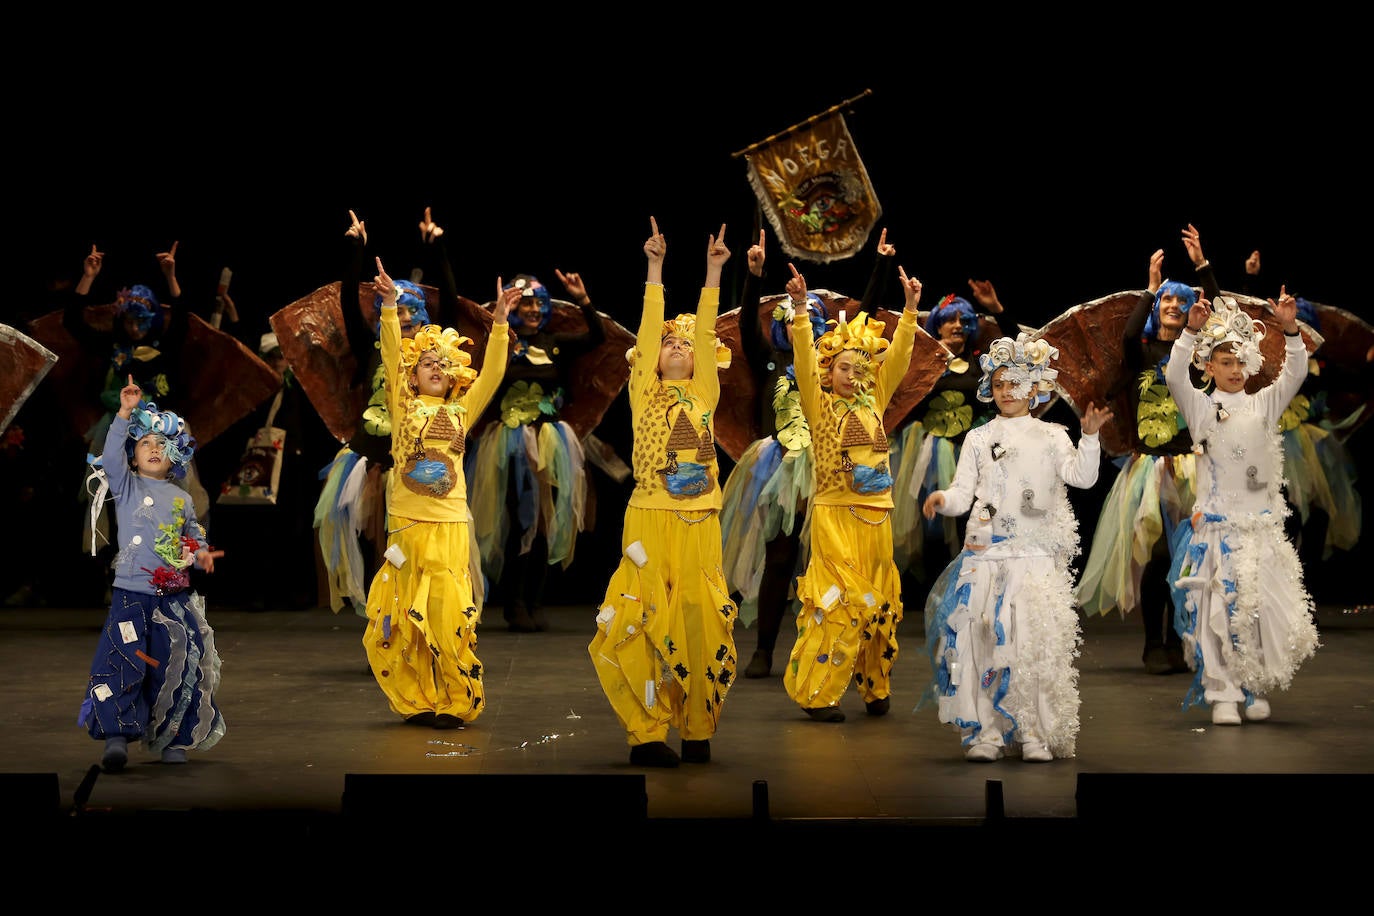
(448, 344)
(861, 335)
(684, 327)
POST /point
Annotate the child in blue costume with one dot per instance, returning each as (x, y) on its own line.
(155, 673)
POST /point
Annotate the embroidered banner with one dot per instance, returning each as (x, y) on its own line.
(815, 191)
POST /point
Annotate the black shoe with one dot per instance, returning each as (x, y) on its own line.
(444, 720)
(1156, 660)
(421, 718)
(761, 665)
(518, 620)
(696, 751)
(1177, 663)
(116, 754)
(539, 618)
(826, 714)
(878, 707)
(654, 754)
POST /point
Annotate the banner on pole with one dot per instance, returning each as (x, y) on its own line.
(815, 191)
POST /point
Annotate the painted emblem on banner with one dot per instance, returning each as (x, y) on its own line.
(815, 191)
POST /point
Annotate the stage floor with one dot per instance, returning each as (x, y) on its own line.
(306, 721)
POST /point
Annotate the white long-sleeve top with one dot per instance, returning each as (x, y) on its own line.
(1011, 478)
(1240, 468)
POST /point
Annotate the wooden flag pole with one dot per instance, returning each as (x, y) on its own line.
(811, 120)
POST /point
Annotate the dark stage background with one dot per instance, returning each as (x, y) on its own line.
(1053, 173)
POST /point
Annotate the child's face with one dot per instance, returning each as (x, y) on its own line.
(845, 371)
(429, 375)
(676, 359)
(150, 457)
(1227, 371)
(1011, 397)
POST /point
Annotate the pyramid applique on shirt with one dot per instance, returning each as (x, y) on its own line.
(440, 426)
(855, 434)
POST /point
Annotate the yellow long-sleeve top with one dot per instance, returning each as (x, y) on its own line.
(847, 436)
(674, 461)
(429, 435)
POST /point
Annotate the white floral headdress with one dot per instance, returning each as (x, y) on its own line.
(1027, 362)
(1230, 324)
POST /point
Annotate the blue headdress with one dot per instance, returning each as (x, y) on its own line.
(815, 310)
(177, 443)
(411, 296)
(140, 302)
(953, 307)
(1169, 287)
(529, 285)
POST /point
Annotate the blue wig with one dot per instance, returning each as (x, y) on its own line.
(953, 307)
(1307, 314)
(778, 332)
(1182, 290)
(529, 285)
(140, 302)
(412, 297)
(177, 442)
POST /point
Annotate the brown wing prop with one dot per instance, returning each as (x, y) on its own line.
(598, 375)
(737, 417)
(314, 340)
(1091, 361)
(23, 364)
(224, 379)
(1347, 341)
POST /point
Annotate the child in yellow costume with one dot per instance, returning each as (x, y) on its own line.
(664, 648)
(421, 635)
(851, 591)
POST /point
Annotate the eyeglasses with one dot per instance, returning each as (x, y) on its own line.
(430, 362)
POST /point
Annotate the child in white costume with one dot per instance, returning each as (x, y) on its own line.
(1240, 604)
(1001, 617)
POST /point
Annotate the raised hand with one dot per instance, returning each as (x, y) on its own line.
(429, 229)
(1198, 314)
(754, 257)
(796, 287)
(1094, 418)
(357, 228)
(911, 288)
(716, 252)
(1286, 310)
(884, 248)
(1192, 240)
(986, 295)
(656, 246)
(572, 282)
(91, 264)
(1252, 263)
(1156, 270)
(385, 286)
(167, 260)
(505, 301)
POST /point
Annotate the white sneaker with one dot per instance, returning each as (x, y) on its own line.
(1036, 751)
(1225, 714)
(982, 753)
(1257, 711)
